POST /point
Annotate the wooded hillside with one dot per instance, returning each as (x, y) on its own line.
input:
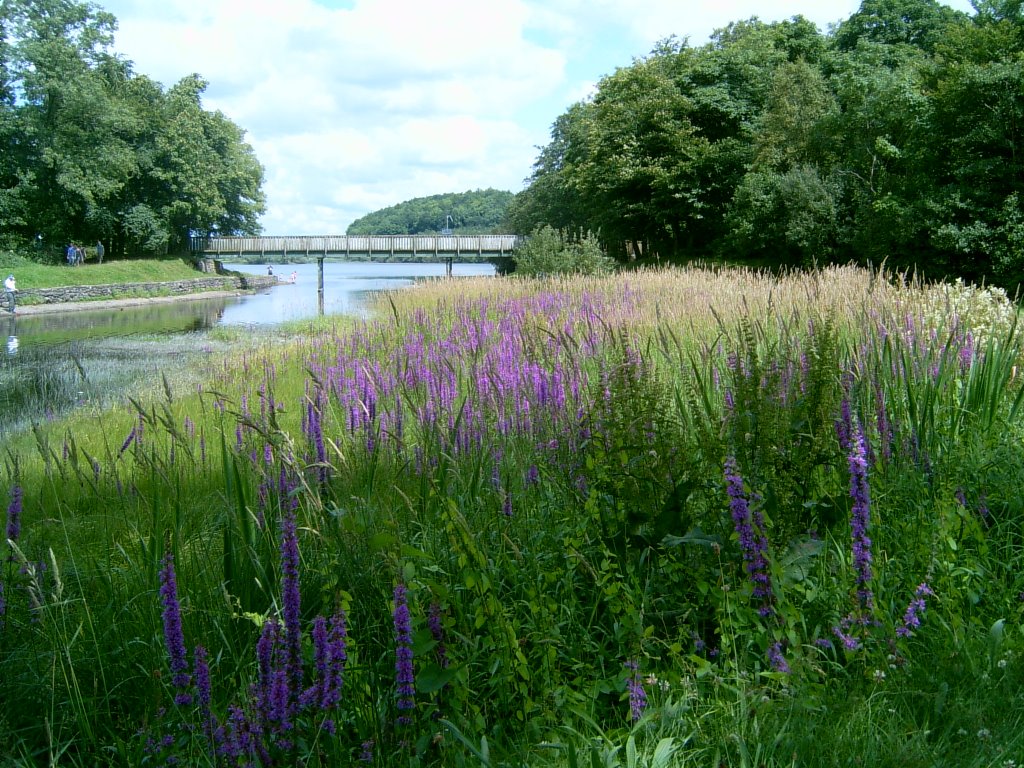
(478, 212)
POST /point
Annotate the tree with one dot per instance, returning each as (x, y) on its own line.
(977, 135)
(921, 24)
(549, 197)
(95, 150)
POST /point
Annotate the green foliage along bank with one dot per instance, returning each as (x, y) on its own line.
(896, 137)
(479, 212)
(94, 151)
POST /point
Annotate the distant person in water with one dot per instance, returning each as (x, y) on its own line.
(270, 269)
(294, 277)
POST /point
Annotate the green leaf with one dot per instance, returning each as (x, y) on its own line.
(433, 678)
(694, 536)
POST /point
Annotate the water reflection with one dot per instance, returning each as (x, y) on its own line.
(61, 360)
(82, 325)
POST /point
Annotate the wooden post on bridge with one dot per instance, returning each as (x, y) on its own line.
(320, 283)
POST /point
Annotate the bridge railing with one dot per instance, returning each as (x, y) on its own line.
(314, 245)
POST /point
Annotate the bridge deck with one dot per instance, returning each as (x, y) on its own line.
(375, 247)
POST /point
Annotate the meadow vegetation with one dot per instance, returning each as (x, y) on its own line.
(681, 517)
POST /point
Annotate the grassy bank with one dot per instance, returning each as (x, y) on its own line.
(693, 517)
(33, 275)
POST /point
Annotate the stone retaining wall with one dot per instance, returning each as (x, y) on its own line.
(73, 293)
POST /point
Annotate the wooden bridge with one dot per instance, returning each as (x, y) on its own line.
(441, 248)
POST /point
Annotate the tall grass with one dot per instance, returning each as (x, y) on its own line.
(678, 517)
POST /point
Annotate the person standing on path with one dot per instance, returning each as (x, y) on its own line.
(99, 251)
(10, 288)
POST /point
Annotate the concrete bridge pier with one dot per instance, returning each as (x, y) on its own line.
(320, 283)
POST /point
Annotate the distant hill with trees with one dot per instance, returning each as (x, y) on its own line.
(479, 212)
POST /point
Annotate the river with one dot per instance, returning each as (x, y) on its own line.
(51, 362)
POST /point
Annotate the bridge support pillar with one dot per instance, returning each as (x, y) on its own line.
(320, 284)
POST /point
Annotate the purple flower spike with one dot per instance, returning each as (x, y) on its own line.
(637, 694)
(749, 527)
(912, 616)
(860, 518)
(14, 513)
(174, 637)
(404, 676)
(127, 441)
(776, 659)
(437, 633)
(290, 600)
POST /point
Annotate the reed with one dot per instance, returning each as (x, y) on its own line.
(672, 517)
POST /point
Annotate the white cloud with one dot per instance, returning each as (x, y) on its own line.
(352, 109)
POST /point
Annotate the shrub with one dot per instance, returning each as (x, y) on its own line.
(553, 252)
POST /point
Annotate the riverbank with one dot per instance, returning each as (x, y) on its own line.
(138, 301)
(114, 295)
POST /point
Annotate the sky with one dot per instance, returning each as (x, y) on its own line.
(355, 105)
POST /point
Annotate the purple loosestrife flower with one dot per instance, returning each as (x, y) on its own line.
(860, 518)
(912, 616)
(202, 675)
(174, 637)
(127, 442)
(265, 647)
(337, 655)
(532, 475)
(750, 530)
(776, 659)
(637, 694)
(201, 670)
(404, 676)
(319, 636)
(329, 654)
(437, 633)
(366, 755)
(290, 599)
(849, 642)
(14, 513)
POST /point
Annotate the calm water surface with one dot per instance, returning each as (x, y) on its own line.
(52, 362)
(347, 287)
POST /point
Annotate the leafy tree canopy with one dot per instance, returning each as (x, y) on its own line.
(93, 151)
(895, 136)
(466, 213)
